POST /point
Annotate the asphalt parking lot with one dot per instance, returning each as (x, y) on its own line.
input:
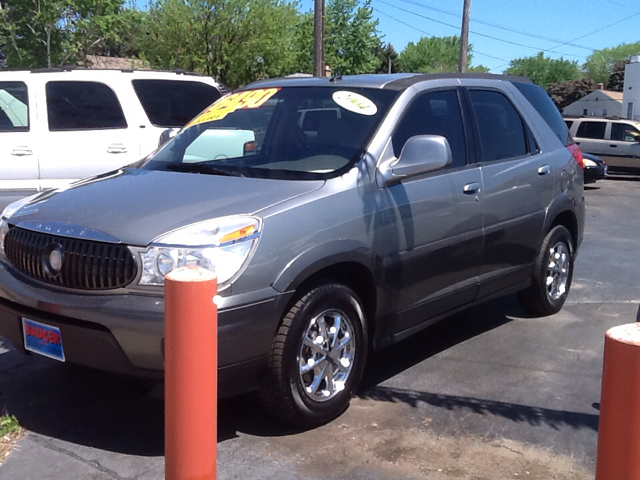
(487, 394)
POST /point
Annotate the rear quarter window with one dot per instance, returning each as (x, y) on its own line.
(172, 103)
(543, 104)
(591, 130)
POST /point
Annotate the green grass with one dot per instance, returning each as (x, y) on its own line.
(8, 424)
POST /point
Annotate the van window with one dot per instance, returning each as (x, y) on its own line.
(14, 107)
(501, 129)
(83, 106)
(172, 103)
(436, 113)
(624, 132)
(591, 130)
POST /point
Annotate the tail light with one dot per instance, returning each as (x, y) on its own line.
(577, 154)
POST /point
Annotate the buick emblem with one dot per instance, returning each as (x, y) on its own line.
(52, 259)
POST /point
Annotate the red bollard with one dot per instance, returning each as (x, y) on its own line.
(191, 374)
(618, 455)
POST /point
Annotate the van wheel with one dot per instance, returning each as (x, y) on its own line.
(552, 274)
(317, 357)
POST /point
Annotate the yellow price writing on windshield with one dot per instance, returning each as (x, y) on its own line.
(233, 102)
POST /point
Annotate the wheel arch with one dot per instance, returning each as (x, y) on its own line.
(352, 268)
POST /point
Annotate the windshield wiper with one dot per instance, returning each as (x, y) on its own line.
(201, 168)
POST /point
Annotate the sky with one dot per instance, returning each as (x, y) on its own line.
(503, 30)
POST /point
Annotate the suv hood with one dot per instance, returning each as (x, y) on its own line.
(136, 206)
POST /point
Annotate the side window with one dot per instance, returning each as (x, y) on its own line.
(502, 131)
(592, 130)
(569, 123)
(624, 133)
(436, 113)
(172, 103)
(14, 107)
(83, 106)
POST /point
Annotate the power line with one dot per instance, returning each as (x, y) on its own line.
(480, 34)
(586, 35)
(431, 35)
(495, 25)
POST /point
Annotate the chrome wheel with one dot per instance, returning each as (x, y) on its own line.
(558, 270)
(327, 355)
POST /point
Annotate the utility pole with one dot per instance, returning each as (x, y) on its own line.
(318, 38)
(464, 37)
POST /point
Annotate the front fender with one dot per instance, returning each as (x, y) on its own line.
(319, 257)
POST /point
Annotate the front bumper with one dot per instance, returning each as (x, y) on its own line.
(124, 332)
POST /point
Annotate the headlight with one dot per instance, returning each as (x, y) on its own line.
(223, 245)
(589, 163)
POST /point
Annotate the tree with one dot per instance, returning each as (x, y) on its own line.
(388, 58)
(600, 64)
(46, 33)
(565, 93)
(435, 55)
(351, 37)
(616, 80)
(543, 70)
(237, 41)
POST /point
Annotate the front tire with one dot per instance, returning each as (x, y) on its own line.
(552, 274)
(317, 358)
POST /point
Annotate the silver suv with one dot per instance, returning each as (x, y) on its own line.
(615, 140)
(341, 215)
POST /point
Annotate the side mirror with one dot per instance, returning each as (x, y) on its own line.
(167, 135)
(421, 154)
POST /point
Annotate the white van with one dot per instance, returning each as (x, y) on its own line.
(615, 140)
(60, 125)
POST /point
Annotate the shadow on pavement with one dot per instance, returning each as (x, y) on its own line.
(439, 337)
(511, 411)
(115, 413)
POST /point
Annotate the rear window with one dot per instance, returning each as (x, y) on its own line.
(172, 103)
(14, 107)
(591, 130)
(546, 108)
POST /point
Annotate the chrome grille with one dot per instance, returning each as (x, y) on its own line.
(86, 264)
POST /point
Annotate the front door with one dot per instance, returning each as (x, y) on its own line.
(429, 228)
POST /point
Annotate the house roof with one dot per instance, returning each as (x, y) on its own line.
(614, 95)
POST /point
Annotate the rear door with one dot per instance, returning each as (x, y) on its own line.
(430, 227)
(624, 146)
(18, 149)
(87, 132)
(591, 136)
(518, 186)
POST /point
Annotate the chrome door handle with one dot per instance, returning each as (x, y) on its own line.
(471, 188)
(117, 148)
(21, 151)
(544, 170)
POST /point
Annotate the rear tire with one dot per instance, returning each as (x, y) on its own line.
(317, 357)
(552, 274)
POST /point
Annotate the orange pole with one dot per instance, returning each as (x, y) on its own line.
(618, 454)
(191, 374)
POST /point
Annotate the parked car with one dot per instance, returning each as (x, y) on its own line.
(594, 168)
(60, 125)
(615, 140)
(339, 214)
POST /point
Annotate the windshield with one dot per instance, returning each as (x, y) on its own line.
(289, 132)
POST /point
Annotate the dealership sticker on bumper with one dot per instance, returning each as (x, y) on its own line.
(42, 339)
